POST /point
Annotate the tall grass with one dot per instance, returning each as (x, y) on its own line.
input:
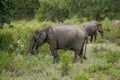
(16, 62)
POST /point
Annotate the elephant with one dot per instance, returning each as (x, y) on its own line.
(92, 28)
(61, 36)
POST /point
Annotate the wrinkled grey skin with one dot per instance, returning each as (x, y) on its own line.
(92, 28)
(63, 36)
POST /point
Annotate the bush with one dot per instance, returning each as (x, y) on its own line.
(6, 62)
(66, 63)
(118, 42)
(51, 77)
(94, 68)
(114, 74)
(73, 20)
(82, 76)
(112, 56)
(111, 32)
(19, 65)
(18, 39)
(98, 67)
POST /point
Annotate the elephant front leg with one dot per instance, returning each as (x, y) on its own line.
(91, 38)
(55, 56)
(95, 35)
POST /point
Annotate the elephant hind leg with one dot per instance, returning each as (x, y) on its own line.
(83, 54)
(75, 56)
(95, 36)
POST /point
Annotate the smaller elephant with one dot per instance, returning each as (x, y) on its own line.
(92, 28)
(63, 36)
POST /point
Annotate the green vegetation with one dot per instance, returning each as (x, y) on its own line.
(58, 10)
(25, 16)
(16, 62)
(66, 63)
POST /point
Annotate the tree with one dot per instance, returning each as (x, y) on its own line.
(5, 16)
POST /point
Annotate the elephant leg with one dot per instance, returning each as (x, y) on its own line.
(53, 48)
(55, 56)
(75, 56)
(91, 38)
(95, 35)
(81, 52)
(84, 46)
(53, 44)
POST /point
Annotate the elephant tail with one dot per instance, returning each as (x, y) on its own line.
(85, 43)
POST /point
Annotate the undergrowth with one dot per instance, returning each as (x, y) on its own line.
(17, 63)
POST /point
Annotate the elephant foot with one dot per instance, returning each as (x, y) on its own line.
(85, 57)
(56, 61)
(74, 61)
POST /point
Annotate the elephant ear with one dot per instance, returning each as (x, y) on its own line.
(51, 38)
(42, 35)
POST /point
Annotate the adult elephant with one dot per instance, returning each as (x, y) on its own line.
(92, 28)
(63, 36)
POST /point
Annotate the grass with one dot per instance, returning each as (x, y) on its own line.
(40, 67)
(103, 62)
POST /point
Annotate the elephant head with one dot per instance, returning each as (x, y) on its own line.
(99, 28)
(38, 39)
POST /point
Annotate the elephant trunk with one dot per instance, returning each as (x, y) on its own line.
(32, 45)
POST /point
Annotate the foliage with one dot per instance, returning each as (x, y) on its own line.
(59, 10)
(114, 74)
(96, 67)
(18, 39)
(5, 12)
(82, 76)
(5, 61)
(52, 78)
(27, 10)
(16, 62)
(19, 64)
(66, 63)
(73, 20)
(66, 9)
(111, 32)
(118, 42)
(112, 56)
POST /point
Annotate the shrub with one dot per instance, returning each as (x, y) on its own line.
(118, 42)
(111, 32)
(112, 56)
(94, 68)
(17, 39)
(82, 76)
(114, 74)
(73, 20)
(51, 77)
(6, 38)
(6, 62)
(97, 50)
(19, 65)
(66, 63)
(98, 67)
